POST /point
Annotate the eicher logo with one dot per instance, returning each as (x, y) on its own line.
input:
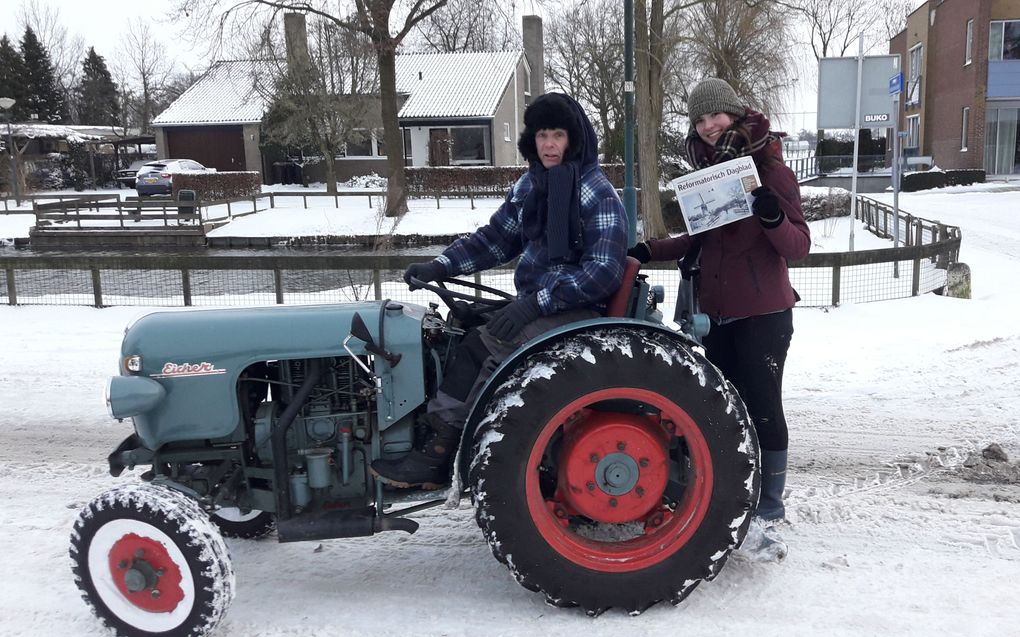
(175, 370)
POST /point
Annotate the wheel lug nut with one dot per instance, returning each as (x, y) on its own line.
(640, 491)
(591, 486)
(644, 462)
(160, 572)
(594, 457)
(139, 553)
(122, 564)
(620, 446)
(155, 594)
(560, 513)
(612, 502)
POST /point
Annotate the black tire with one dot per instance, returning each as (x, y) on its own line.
(647, 493)
(251, 526)
(150, 563)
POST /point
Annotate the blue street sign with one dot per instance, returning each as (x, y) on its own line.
(896, 84)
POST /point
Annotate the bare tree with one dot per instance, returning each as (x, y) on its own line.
(584, 57)
(834, 26)
(468, 25)
(323, 93)
(894, 15)
(371, 18)
(144, 60)
(65, 50)
(744, 43)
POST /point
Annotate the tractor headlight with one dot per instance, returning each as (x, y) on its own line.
(133, 363)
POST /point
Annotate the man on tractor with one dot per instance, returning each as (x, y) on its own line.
(565, 221)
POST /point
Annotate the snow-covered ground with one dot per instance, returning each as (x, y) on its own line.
(888, 535)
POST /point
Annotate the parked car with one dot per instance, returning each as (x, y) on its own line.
(156, 177)
(126, 176)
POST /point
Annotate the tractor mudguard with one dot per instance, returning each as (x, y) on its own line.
(464, 453)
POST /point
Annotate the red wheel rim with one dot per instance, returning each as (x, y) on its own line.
(658, 542)
(145, 574)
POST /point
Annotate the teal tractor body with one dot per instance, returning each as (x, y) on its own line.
(608, 461)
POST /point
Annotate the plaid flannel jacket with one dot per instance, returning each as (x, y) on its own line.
(586, 281)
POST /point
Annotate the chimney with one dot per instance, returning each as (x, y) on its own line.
(531, 30)
(296, 38)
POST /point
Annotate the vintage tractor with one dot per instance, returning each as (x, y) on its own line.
(609, 463)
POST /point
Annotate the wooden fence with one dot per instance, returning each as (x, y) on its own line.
(822, 279)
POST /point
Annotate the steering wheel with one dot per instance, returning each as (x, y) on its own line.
(475, 306)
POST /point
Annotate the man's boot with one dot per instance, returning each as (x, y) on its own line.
(427, 466)
(763, 542)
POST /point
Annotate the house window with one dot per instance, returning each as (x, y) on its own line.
(379, 137)
(1004, 40)
(506, 132)
(914, 132)
(966, 128)
(407, 146)
(469, 145)
(914, 60)
(970, 42)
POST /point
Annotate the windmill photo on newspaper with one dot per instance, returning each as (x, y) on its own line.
(718, 195)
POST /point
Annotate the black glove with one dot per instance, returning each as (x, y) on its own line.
(766, 207)
(641, 252)
(508, 322)
(424, 272)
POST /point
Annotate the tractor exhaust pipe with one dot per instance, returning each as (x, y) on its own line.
(336, 524)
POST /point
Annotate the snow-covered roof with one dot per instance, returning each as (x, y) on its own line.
(224, 95)
(438, 85)
(73, 133)
(444, 85)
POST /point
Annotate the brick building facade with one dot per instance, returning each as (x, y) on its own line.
(961, 66)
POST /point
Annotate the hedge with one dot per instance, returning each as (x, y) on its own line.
(965, 177)
(218, 185)
(912, 182)
(480, 178)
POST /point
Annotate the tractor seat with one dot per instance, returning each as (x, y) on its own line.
(620, 301)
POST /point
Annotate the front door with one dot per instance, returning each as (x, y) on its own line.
(439, 147)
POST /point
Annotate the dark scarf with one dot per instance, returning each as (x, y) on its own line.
(553, 208)
(746, 136)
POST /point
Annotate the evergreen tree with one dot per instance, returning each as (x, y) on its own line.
(44, 97)
(97, 93)
(12, 79)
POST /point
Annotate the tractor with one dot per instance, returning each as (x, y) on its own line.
(609, 463)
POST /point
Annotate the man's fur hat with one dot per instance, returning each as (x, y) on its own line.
(551, 110)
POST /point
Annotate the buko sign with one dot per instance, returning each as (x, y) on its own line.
(837, 91)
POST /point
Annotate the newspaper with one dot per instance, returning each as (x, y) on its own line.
(715, 196)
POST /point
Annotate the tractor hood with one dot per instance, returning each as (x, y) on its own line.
(197, 356)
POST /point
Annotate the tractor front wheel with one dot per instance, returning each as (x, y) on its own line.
(150, 563)
(614, 468)
(252, 525)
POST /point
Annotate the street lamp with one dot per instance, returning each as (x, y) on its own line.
(7, 103)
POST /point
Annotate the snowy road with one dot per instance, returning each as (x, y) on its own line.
(888, 537)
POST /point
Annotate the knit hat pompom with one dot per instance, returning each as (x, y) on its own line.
(548, 111)
(713, 95)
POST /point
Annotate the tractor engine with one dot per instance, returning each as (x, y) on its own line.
(329, 444)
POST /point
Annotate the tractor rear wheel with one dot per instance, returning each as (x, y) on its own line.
(150, 563)
(614, 468)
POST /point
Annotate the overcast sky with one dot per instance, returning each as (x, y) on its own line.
(103, 23)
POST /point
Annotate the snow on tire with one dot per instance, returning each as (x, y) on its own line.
(614, 468)
(148, 560)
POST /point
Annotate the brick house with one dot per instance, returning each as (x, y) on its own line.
(459, 109)
(962, 83)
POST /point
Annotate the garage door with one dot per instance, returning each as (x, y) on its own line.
(219, 147)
